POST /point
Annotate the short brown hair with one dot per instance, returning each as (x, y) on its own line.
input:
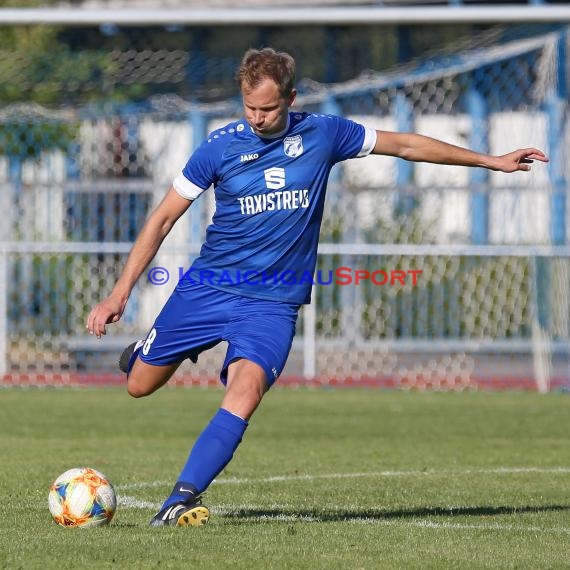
(259, 64)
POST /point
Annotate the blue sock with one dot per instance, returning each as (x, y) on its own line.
(212, 451)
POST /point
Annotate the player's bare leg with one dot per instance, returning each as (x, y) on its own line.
(245, 388)
(144, 379)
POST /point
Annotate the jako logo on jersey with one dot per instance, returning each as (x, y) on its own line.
(248, 157)
(274, 178)
(293, 146)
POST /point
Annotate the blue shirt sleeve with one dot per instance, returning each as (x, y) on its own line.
(346, 136)
(202, 166)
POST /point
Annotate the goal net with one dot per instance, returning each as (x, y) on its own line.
(429, 277)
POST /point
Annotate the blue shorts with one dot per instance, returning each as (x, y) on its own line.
(197, 317)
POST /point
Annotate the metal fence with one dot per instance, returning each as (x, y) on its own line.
(488, 302)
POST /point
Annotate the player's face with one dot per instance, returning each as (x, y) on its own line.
(265, 108)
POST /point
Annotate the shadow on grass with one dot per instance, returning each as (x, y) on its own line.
(325, 515)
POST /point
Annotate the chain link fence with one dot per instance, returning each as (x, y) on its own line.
(463, 273)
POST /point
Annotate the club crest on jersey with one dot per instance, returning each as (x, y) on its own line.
(293, 146)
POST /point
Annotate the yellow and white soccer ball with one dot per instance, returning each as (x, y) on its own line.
(82, 497)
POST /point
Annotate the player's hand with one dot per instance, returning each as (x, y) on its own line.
(520, 159)
(107, 311)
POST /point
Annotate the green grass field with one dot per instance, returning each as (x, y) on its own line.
(323, 479)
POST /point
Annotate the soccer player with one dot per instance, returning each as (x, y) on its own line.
(269, 171)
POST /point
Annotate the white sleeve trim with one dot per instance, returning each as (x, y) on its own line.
(187, 189)
(368, 143)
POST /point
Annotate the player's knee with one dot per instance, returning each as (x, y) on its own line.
(243, 399)
(248, 391)
(137, 390)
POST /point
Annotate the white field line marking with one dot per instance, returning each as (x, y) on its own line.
(149, 485)
(133, 503)
(279, 478)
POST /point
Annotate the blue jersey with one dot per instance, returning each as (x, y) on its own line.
(269, 194)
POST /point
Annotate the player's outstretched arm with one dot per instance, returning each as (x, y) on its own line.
(156, 228)
(419, 148)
